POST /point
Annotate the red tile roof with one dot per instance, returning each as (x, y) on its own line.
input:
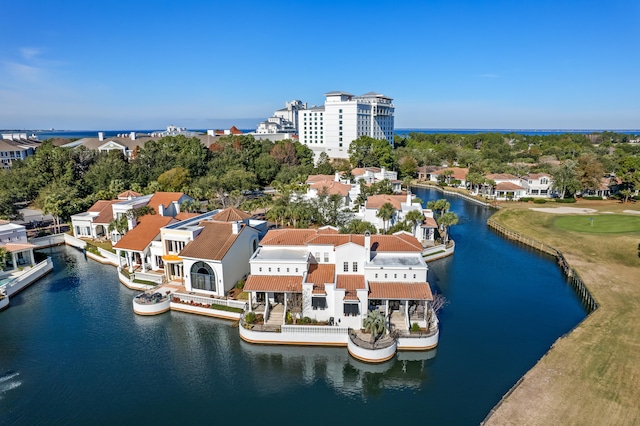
(234, 131)
(537, 175)
(376, 201)
(104, 210)
(213, 242)
(508, 186)
(15, 247)
(320, 178)
(276, 283)
(186, 215)
(429, 222)
(501, 176)
(230, 214)
(128, 194)
(331, 187)
(164, 198)
(400, 242)
(400, 291)
(459, 173)
(350, 283)
(144, 233)
(321, 274)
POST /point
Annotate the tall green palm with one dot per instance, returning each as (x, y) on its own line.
(416, 217)
(5, 257)
(121, 225)
(385, 213)
(441, 206)
(445, 221)
(374, 323)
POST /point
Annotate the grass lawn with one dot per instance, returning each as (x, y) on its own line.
(591, 375)
(599, 224)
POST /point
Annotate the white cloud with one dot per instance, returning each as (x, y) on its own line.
(30, 52)
(489, 75)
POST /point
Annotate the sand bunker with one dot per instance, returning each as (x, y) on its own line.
(561, 210)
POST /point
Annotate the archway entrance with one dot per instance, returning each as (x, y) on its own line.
(203, 277)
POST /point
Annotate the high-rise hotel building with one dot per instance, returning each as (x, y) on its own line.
(343, 118)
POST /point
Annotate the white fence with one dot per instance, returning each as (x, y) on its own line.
(48, 241)
(314, 329)
(209, 300)
(28, 276)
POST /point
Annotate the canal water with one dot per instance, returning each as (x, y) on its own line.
(73, 352)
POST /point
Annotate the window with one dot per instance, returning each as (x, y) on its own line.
(414, 276)
(395, 275)
(385, 275)
(260, 269)
(326, 257)
(278, 269)
(340, 144)
(319, 303)
(355, 266)
(203, 277)
(296, 269)
(269, 268)
(376, 275)
(287, 269)
(317, 255)
(345, 266)
(340, 111)
(405, 275)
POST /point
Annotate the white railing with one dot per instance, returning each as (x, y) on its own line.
(314, 329)
(27, 276)
(209, 300)
(49, 240)
(74, 242)
(110, 256)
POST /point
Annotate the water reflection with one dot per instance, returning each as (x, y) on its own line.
(278, 368)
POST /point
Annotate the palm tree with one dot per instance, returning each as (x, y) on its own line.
(415, 216)
(121, 225)
(441, 206)
(374, 323)
(191, 206)
(5, 257)
(445, 221)
(385, 213)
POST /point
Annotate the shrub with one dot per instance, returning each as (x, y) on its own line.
(250, 317)
(566, 200)
(240, 284)
(526, 199)
(539, 201)
(415, 327)
(592, 198)
(306, 320)
(289, 318)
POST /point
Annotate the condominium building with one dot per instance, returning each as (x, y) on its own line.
(342, 119)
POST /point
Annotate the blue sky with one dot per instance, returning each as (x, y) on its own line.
(203, 64)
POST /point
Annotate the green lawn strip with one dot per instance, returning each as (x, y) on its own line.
(599, 224)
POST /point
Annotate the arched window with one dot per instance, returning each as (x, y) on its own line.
(203, 277)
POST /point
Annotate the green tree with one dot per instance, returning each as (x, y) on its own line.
(175, 179)
(416, 217)
(375, 324)
(191, 206)
(358, 226)
(5, 258)
(386, 212)
(324, 166)
(440, 206)
(445, 221)
(565, 179)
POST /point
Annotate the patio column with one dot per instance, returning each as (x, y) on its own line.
(144, 264)
(14, 259)
(250, 301)
(284, 319)
(130, 260)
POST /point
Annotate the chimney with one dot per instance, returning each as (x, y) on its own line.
(160, 209)
(132, 135)
(337, 178)
(131, 223)
(235, 227)
(100, 136)
(409, 196)
(367, 246)
(383, 171)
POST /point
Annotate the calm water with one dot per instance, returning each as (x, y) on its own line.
(73, 352)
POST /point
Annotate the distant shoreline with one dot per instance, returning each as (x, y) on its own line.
(78, 134)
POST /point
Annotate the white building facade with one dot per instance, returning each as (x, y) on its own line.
(343, 118)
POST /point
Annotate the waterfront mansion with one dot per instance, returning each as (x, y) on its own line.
(336, 278)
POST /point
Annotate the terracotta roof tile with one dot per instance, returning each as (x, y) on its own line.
(321, 274)
(381, 243)
(536, 176)
(13, 247)
(508, 186)
(429, 222)
(320, 178)
(164, 198)
(213, 242)
(400, 291)
(376, 201)
(459, 173)
(104, 210)
(128, 194)
(230, 214)
(501, 176)
(331, 187)
(146, 231)
(277, 283)
(186, 215)
(350, 283)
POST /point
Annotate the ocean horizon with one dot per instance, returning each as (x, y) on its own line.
(78, 134)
